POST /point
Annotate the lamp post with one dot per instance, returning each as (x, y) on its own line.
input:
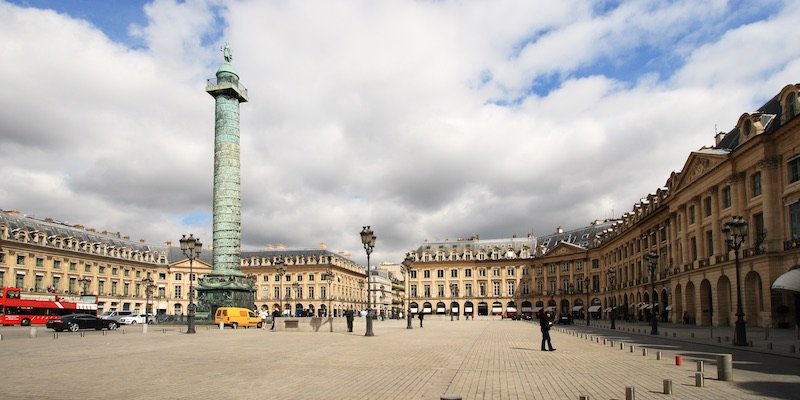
(612, 274)
(191, 248)
(586, 282)
(735, 233)
(652, 259)
(148, 293)
(368, 240)
(278, 263)
(85, 282)
(251, 279)
(328, 277)
(408, 264)
(295, 298)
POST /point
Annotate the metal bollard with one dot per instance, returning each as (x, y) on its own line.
(698, 379)
(678, 360)
(719, 339)
(144, 328)
(658, 355)
(674, 334)
(725, 367)
(55, 335)
(727, 339)
(769, 346)
(583, 397)
(692, 334)
(667, 386)
(766, 332)
(450, 397)
(630, 393)
(644, 352)
(792, 349)
(221, 326)
(32, 333)
(633, 348)
(621, 346)
(700, 366)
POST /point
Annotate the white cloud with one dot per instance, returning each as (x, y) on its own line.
(379, 114)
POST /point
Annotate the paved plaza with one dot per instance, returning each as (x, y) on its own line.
(476, 359)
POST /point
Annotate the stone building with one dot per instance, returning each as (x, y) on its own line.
(667, 257)
(48, 258)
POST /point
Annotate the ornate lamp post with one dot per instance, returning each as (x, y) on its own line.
(295, 297)
(586, 282)
(407, 264)
(278, 263)
(652, 259)
(251, 279)
(735, 233)
(85, 282)
(368, 240)
(612, 274)
(191, 248)
(453, 294)
(328, 277)
(148, 292)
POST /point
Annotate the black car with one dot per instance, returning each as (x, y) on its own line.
(74, 322)
(565, 319)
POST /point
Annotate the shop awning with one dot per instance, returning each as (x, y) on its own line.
(440, 309)
(551, 308)
(536, 309)
(608, 309)
(467, 309)
(497, 309)
(645, 306)
(669, 308)
(577, 308)
(594, 308)
(511, 309)
(526, 309)
(789, 281)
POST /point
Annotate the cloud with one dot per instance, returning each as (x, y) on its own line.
(425, 120)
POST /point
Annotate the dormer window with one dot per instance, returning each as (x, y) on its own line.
(747, 128)
(791, 105)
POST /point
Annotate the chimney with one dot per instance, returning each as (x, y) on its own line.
(48, 219)
(559, 230)
(141, 241)
(323, 245)
(270, 246)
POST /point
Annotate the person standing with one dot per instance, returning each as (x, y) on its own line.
(421, 317)
(264, 314)
(544, 323)
(349, 316)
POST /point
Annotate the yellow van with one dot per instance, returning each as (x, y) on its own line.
(236, 317)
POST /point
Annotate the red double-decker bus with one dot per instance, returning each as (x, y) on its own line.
(18, 309)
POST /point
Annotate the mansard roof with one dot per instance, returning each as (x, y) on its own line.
(772, 107)
(60, 229)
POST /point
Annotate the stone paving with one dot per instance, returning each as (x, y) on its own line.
(476, 359)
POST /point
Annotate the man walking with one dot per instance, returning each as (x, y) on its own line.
(349, 316)
(544, 323)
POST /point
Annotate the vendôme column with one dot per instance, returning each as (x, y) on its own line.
(226, 286)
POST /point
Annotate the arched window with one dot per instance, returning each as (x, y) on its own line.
(791, 105)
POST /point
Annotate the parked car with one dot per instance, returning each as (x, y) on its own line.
(565, 319)
(236, 317)
(137, 319)
(74, 322)
(115, 315)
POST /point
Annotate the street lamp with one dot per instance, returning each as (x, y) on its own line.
(586, 282)
(368, 240)
(612, 274)
(735, 233)
(278, 263)
(407, 264)
(85, 282)
(251, 279)
(148, 293)
(296, 291)
(191, 248)
(454, 294)
(328, 277)
(652, 259)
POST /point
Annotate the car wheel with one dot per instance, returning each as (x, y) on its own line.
(234, 325)
(259, 325)
(132, 322)
(112, 326)
(74, 327)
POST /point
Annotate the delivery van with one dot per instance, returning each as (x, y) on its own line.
(236, 317)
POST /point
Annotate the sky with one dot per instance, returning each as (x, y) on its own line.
(427, 120)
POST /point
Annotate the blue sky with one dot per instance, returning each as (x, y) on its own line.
(425, 120)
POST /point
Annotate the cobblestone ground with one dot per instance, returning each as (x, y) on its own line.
(481, 359)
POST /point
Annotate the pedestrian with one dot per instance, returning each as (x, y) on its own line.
(421, 316)
(349, 316)
(275, 314)
(264, 314)
(545, 323)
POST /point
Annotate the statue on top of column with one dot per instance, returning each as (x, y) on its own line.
(226, 52)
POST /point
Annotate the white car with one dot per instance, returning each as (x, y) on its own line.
(136, 319)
